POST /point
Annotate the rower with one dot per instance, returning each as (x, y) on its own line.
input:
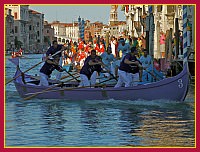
(130, 65)
(50, 63)
(91, 67)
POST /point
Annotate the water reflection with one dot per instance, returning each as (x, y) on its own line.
(52, 117)
(161, 126)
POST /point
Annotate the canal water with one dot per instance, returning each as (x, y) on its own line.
(60, 123)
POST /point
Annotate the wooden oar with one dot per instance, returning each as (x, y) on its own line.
(63, 89)
(50, 88)
(66, 76)
(23, 72)
(30, 68)
(105, 80)
(72, 75)
(109, 72)
(152, 75)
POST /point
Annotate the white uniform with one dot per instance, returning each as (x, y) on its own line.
(86, 82)
(127, 79)
(44, 79)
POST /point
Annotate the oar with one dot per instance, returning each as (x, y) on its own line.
(63, 89)
(23, 72)
(105, 80)
(66, 76)
(50, 88)
(152, 75)
(109, 72)
(72, 75)
(30, 68)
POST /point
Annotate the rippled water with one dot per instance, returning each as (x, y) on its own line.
(113, 123)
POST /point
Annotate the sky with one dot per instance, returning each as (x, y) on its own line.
(69, 13)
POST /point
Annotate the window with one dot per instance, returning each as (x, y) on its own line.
(15, 15)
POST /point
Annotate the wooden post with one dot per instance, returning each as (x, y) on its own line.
(151, 35)
(107, 39)
(158, 40)
(176, 37)
(147, 33)
(167, 45)
(170, 45)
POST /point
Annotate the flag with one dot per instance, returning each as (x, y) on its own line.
(15, 61)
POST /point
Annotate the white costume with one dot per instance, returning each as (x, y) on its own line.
(128, 79)
(44, 79)
(86, 82)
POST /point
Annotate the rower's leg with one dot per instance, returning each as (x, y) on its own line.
(93, 78)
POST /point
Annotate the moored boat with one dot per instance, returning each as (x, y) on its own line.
(173, 88)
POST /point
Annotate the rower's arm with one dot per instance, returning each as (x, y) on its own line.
(91, 63)
(131, 62)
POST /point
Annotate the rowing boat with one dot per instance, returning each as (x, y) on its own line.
(172, 88)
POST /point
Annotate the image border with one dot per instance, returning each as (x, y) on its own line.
(88, 149)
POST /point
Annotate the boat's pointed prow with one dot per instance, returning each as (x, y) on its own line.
(15, 61)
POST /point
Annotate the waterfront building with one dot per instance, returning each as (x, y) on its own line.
(9, 31)
(21, 20)
(36, 26)
(48, 33)
(72, 31)
(164, 18)
(65, 31)
(116, 27)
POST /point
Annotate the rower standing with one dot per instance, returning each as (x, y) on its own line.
(51, 63)
(91, 67)
(128, 69)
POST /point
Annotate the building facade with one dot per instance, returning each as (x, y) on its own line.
(28, 28)
(9, 31)
(164, 16)
(21, 20)
(36, 27)
(48, 33)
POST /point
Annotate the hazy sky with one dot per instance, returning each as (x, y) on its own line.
(69, 13)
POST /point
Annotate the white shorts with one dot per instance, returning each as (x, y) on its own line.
(44, 79)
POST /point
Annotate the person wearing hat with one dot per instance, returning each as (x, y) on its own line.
(51, 63)
(130, 69)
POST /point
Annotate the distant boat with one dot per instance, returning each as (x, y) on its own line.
(17, 53)
(172, 88)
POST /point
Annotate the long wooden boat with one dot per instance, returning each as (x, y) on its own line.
(173, 88)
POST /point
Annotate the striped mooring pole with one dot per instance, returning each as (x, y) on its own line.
(79, 26)
(150, 8)
(185, 34)
(82, 29)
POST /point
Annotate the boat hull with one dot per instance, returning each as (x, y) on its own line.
(174, 88)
